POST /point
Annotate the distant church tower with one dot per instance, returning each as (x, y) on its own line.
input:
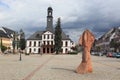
(49, 19)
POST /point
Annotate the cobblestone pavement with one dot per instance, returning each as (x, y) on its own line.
(56, 67)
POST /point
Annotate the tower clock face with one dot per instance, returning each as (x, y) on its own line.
(50, 13)
(49, 20)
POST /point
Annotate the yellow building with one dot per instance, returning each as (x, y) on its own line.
(6, 36)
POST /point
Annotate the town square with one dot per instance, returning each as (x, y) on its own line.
(59, 40)
(56, 67)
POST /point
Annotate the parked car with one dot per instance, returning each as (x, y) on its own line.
(98, 54)
(93, 53)
(118, 55)
(114, 54)
(109, 54)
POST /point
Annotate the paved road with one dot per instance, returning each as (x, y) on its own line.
(56, 67)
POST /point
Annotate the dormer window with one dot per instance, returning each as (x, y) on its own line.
(37, 35)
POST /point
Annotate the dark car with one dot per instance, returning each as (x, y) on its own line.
(114, 54)
(118, 55)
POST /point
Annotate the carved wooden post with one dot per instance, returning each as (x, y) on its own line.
(86, 40)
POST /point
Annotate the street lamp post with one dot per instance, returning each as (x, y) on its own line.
(0, 45)
(20, 57)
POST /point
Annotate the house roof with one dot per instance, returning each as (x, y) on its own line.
(2, 34)
(36, 36)
(65, 37)
(8, 31)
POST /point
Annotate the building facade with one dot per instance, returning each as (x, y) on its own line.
(43, 41)
(104, 41)
(6, 36)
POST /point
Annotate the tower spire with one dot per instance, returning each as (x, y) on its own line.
(49, 19)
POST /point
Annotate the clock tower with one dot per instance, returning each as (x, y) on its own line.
(49, 19)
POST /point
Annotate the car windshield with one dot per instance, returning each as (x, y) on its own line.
(118, 53)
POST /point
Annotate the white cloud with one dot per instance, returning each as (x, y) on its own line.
(32, 13)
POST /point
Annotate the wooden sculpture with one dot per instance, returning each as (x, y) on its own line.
(86, 40)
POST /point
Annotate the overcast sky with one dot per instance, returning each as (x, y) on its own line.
(76, 15)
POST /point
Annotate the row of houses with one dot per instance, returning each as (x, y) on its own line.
(104, 41)
(8, 38)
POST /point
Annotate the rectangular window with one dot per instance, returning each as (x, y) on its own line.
(51, 42)
(34, 43)
(44, 42)
(30, 44)
(48, 37)
(34, 49)
(39, 43)
(47, 42)
(51, 36)
(66, 43)
(44, 36)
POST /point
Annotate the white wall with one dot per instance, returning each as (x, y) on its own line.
(46, 38)
(64, 47)
(34, 49)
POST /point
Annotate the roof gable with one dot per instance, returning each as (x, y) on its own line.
(48, 32)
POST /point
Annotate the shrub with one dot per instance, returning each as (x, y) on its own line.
(3, 48)
(73, 52)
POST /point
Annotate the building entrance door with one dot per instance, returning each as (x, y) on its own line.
(47, 50)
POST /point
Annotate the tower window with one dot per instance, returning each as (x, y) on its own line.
(49, 20)
(50, 13)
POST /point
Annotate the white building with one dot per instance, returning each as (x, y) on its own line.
(43, 41)
(104, 41)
